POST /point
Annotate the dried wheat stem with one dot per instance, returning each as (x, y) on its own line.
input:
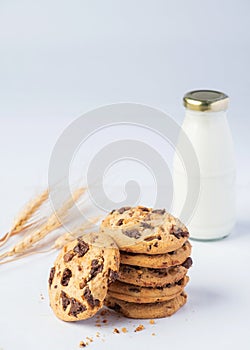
(9, 234)
(25, 215)
(52, 224)
(12, 233)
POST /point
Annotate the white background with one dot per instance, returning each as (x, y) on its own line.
(59, 59)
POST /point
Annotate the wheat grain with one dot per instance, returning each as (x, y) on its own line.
(24, 216)
(29, 210)
(50, 225)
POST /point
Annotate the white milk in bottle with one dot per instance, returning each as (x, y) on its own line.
(206, 126)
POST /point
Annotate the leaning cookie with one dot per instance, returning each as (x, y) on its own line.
(79, 279)
(136, 294)
(152, 310)
(145, 230)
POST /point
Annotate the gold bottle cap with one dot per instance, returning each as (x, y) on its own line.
(206, 100)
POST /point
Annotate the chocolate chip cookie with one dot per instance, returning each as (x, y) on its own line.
(148, 277)
(136, 294)
(145, 230)
(157, 261)
(79, 279)
(151, 310)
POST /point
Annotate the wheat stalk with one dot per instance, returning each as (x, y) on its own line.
(22, 219)
(58, 244)
(50, 225)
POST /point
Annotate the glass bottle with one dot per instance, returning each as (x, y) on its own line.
(207, 128)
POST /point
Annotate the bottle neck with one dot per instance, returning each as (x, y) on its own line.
(206, 114)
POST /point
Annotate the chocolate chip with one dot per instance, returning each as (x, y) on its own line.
(178, 232)
(81, 248)
(123, 209)
(68, 256)
(156, 244)
(132, 233)
(146, 225)
(76, 307)
(148, 239)
(160, 272)
(51, 275)
(67, 274)
(82, 284)
(159, 211)
(65, 300)
(169, 285)
(119, 222)
(112, 212)
(96, 267)
(159, 287)
(112, 276)
(89, 297)
(188, 263)
(144, 209)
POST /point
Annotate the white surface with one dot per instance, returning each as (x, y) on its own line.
(59, 59)
(216, 315)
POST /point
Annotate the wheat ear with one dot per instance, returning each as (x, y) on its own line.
(68, 237)
(52, 224)
(25, 215)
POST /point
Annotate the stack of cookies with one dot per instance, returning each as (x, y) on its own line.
(155, 257)
(136, 264)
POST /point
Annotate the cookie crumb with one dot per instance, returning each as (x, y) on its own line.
(116, 331)
(105, 321)
(152, 321)
(97, 335)
(90, 339)
(42, 297)
(98, 325)
(104, 312)
(124, 330)
(139, 328)
(153, 334)
(82, 344)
